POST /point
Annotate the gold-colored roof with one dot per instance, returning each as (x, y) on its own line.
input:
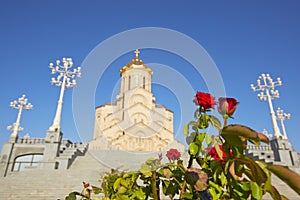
(134, 62)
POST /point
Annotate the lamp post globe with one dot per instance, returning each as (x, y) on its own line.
(281, 116)
(65, 79)
(266, 87)
(20, 104)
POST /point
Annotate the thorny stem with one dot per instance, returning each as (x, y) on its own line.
(225, 121)
(154, 188)
(182, 189)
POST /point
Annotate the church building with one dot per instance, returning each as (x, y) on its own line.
(134, 122)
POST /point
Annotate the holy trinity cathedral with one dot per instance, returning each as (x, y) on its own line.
(134, 122)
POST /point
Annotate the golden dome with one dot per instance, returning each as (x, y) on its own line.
(135, 63)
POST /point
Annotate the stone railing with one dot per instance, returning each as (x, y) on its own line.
(31, 141)
(259, 148)
(66, 142)
(77, 145)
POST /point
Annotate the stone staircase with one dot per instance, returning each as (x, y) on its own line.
(51, 184)
(42, 184)
(264, 153)
(257, 156)
(69, 152)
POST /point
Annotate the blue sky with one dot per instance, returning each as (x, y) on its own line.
(244, 39)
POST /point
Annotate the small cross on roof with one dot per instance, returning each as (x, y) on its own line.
(137, 52)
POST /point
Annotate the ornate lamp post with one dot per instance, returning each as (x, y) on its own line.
(66, 78)
(266, 133)
(281, 116)
(20, 104)
(266, 85)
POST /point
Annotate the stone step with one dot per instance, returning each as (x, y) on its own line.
(57, 184)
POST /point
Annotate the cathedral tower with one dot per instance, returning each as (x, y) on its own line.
(134, 122)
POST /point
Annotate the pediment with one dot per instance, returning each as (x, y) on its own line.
(140, 130)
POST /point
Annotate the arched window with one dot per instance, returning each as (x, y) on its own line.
(29, 160)
(129, 82)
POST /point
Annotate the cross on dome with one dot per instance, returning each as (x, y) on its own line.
(137, 52)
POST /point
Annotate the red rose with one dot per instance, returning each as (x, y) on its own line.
(205, 100)
(227, 106)
(173, 154)
(213, 153)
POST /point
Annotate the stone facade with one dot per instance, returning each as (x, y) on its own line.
(28, 154)
(134, 122)
(280, 151)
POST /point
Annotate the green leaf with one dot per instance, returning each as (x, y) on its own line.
(186, 130)
(215, 190)
(245, 186)
(172, 189)
(213, 193)
(145, 169)
(189, 179)
(238, 135)
(264, 166)
(200, 138)
(153, 163)
(187, 195)
(193, 148)
(203, 121)
(165, 184)
(236, 141)
(196, 113)
(139, 194)
(274, 193)
(288, 176)
(122, 190)
(96, 190)
(123, 197)
(208, 139)
(193, 123)
(125, 182)
(238, 167)
(167, 173)
(219, 151)
(256, 191)
(227, 165)
(215, 122)
(117, 184)
(201, 162)
(241, 194)
(191, 137)
(256, 173)
(72, 196)
(237, 151)
(244, 131)
(263, 138)
(223, 179)
(241, 189)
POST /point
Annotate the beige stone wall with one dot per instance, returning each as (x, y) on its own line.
(134, 122)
